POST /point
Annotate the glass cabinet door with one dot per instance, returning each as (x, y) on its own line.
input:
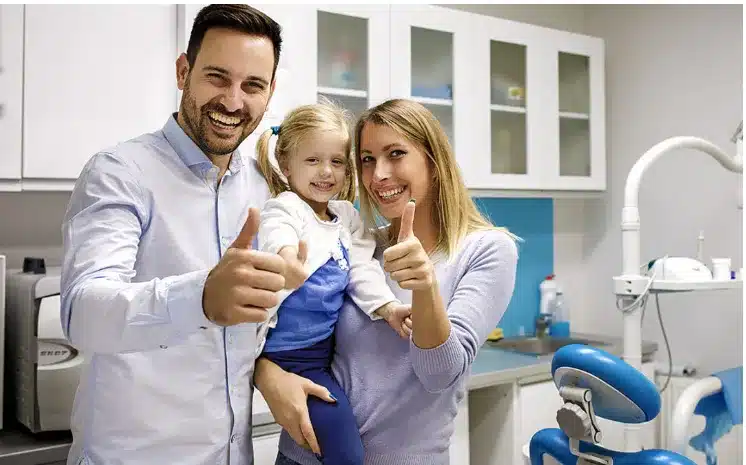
(580, 113)
(352, 67)
(431, 82)
(574, 111)
(508, 97)
(430, 64)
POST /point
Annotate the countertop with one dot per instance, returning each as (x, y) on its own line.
(493, 366)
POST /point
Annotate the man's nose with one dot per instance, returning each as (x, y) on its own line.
(232, 99)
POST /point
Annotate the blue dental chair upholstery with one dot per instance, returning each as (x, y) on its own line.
(594, 383)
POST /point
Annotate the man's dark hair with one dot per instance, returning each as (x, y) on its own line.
(239, 17)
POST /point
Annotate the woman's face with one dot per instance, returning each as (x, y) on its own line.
(394, 170)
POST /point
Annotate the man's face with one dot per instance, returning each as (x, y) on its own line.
(226, 92)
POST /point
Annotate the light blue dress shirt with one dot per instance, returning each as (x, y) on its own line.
(146, 222)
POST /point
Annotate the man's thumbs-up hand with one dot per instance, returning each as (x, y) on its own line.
(406, 261)
(244, 283)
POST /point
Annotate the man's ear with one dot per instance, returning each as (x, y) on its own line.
(182, 71)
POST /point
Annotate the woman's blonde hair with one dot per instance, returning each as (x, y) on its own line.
(299, 124)
(454, 211)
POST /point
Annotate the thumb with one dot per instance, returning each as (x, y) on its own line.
(319, 391)
(407, 222)
(245, 238)
(302, 251)
(402, 311)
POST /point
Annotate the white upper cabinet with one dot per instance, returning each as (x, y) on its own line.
(539, 118)
(432, 62)
(11, 95)
(94, 76)
(350, 55)
(522, 105)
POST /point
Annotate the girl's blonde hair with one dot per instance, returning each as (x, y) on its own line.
(454, 212)
(299, 124)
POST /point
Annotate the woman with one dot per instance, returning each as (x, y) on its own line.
(455, 268)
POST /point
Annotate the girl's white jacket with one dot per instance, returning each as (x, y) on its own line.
(287, 219)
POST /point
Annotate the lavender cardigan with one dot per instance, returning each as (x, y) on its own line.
(405, 398)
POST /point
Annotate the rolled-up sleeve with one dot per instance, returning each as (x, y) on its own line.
(480, 299)
(102, 310)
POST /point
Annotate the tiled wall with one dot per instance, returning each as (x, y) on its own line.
(533, 221)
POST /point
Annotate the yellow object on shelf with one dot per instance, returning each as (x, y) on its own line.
(496, 335)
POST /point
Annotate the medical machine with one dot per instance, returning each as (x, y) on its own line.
(43, 369)
(672, 274)
(594, 383)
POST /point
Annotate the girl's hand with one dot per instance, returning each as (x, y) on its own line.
(407, 262)
(396, 315)
(295, 273)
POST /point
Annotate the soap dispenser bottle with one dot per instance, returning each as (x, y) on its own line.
(560, 316)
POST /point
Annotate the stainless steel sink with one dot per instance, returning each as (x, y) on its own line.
(542, 345)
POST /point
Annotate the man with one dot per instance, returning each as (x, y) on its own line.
(160, 288)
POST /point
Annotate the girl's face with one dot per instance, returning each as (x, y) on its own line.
(317, 169)
(394, 170)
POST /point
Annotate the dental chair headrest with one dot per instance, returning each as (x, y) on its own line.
(620, 392)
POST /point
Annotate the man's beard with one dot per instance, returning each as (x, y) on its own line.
(198, 121)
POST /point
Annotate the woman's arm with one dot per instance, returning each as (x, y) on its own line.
(479, 300)
(286, 395)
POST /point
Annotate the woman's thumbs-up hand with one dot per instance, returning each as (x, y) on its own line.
(407, 262)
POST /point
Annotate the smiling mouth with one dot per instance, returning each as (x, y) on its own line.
(323, 186)
(390, 195)
(224, 121)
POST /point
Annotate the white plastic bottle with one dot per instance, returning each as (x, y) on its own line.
(547, 290)
(560, 315)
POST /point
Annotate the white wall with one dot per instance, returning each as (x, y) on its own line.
(671, 70)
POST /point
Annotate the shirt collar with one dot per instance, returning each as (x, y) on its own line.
(189, 152)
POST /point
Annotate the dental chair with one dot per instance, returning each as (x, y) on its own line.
(594, 383)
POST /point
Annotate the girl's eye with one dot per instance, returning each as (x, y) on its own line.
(367, 159)
(338, 162)
(312, 160)
(397, 153)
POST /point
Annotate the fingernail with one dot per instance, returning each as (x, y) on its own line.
(332, 396)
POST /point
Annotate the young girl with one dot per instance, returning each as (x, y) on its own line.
(312, 224)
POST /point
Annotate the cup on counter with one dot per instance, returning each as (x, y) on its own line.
(721, 269)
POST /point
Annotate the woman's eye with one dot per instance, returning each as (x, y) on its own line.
(397, 153)
(367, 159)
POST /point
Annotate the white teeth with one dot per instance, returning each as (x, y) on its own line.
(323, 185)
(221, 118)
(390, 193)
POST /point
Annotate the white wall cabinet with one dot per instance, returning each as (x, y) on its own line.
(94, 75)
(522, 105)
(11, 95)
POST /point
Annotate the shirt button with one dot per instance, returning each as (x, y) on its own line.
(234, 438)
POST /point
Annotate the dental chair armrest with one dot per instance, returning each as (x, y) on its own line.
(684, 410)
(552, 442)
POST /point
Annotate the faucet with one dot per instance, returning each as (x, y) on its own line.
(543, 321)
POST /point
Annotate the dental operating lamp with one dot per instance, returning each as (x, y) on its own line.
(632, 287)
